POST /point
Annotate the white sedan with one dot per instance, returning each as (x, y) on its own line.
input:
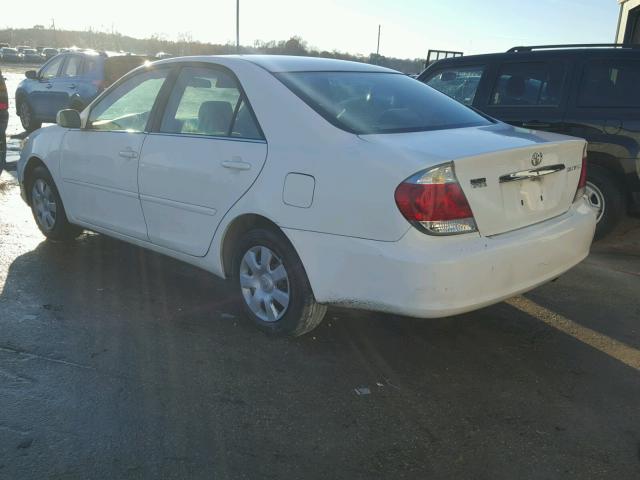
(314, 182)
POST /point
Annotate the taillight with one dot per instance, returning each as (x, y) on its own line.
(433, 201)
(4, 106)
(582, 183)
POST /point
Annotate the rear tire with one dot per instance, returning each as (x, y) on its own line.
(273, 285)
(29, 122)
(607, 196)
(47, 208)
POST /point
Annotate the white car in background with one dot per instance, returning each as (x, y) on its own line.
(315, 182)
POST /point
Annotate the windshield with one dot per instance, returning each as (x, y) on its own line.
(365, 103)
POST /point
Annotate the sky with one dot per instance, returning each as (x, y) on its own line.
(409, 27)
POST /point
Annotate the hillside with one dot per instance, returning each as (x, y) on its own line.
(39, 36)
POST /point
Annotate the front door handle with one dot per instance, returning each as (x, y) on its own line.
(73, 85)
(128, 153)
(49, 85)
(236, 165)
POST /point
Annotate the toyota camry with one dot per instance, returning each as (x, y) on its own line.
(312, 182)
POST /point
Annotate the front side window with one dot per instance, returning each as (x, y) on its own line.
(610, 83)
(460, 83)
(379, 102)
(128, 106)
(207, 101)
(50, 70)
(533, 84)
(72, 67)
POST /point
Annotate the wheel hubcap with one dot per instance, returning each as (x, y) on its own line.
(44, 205)
(595, 199)
(265, 283)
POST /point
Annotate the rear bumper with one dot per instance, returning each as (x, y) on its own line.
(430, 277)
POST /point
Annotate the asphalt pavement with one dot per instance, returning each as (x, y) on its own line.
(119, 363)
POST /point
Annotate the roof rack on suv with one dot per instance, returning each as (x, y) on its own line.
(577, 45)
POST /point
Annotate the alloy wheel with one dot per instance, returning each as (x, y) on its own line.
(44, 204)
(596, 199)
(264, 282)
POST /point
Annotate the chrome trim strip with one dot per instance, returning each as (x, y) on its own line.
(532, 174)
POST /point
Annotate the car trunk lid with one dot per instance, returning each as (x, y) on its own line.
(511, 177)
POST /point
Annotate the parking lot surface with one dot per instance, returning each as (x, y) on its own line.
(116, 362)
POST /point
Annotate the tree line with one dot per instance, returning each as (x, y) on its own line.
(39, 36)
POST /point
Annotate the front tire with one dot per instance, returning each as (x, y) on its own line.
(273, 285)
(607, 197)
(47, 208)
(27, 118)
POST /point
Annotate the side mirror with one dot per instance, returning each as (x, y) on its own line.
(31, 74)
(68, 119)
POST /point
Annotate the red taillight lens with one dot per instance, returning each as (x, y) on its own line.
(433, 201)
(582, 182)
(4, 106)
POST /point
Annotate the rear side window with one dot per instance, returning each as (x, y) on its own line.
(533, 84)
(90, 65)
(460, 83)
(72, 67)
(207, 101)
(610, 83)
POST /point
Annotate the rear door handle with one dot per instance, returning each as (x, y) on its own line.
(49, 85)
(128, 153)
(73, 85)
(236, 165)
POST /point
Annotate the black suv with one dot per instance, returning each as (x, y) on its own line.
(588, 91)
(4, 118)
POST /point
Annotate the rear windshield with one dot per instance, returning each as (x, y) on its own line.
(365, 103)
(116, 67)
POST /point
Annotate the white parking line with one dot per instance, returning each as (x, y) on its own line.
(620, 351)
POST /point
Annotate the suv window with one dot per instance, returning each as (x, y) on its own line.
(72, 67)
(534, 83)
(610, 83)
(204, 101)
(128, 106)
(50, 70)
(460, 83)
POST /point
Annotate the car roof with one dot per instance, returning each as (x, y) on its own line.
(538, 54)
(287, 63)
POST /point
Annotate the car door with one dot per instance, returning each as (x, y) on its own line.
(99, 163)
(529, 94)
(68, 81)
(44, 94)
(203, 155)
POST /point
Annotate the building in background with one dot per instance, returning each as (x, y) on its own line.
(629, 22)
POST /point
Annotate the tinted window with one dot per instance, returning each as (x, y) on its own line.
(128, 106)
(528, 84)
(610, 83)
(50, 70)
(90, 65)
(379, 102)
(203, 102)
(72, 67)
(460, 83)
(244, 125)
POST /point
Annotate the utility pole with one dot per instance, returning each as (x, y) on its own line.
(55, 35)
(237, 26)
(378, 48)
